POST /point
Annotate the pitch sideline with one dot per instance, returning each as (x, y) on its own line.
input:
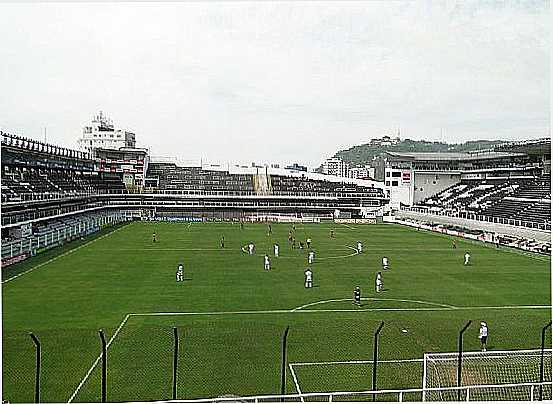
(62, 255)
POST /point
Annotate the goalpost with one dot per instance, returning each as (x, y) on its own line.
(486, 368)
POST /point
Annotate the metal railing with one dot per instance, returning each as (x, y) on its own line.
(400, 395)
(46, 196)
(30, 245)
(26, 216)
(480, 218)
(29, 197)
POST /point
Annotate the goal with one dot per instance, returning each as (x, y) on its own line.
(486, 369)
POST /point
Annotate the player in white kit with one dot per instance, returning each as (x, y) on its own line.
(379, 281)
(180, 273)
(467, 258)
(311, 257)
(483, 335)
(267, 263)
(359, 247)
(385, 263)
(276, 247)
(308, 278)
(251, 247)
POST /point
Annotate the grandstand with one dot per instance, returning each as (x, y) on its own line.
(277, 182)
(519, 199)
(43, 184)
(41, 181)
(33, 170)
(510, 183)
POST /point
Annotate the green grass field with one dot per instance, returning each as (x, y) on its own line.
(231, 314)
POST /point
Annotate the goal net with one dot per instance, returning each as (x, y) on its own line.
(487, 370)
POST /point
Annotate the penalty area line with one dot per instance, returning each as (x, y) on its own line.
(357, 362)
(89, 372)
(296, 382)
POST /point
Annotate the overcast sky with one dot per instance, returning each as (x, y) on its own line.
(276, 82)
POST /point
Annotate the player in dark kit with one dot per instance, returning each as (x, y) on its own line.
(154, 237)
(454, 244)
(223, 242)
(270, 230)
(357, 296)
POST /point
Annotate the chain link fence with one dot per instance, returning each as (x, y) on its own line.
(236, 357)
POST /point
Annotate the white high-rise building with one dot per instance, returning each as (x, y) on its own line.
(336, 166)
(101, 133)
(361, 172)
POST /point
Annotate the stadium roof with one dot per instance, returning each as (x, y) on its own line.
(452, 156)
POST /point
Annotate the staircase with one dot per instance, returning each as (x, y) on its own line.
(262, 184)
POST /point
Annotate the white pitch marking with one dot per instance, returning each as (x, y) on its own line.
(341, 256)
(479, 353)
(167, 249)
(98, 359)
(220, 313)
(211, 313)
(282, 312)
(375, 299)
(295, 381)
(358, 362)
(61, 255)
(317, 259)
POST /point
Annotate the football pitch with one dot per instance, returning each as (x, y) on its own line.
(231, 314)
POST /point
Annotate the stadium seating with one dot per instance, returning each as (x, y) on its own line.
(17, 183)
(526, 199)
(282, 184)
(172, 177)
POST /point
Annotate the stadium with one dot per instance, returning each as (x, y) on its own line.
(406, 277)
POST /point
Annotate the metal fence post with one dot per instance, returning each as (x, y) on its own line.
(459, 363)
(37, 370)
(283, 366)
(375, 357)
(175, 359)
(543, 331)
(104, 365)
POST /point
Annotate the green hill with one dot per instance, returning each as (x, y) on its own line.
(370, 153)
(364, 153)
